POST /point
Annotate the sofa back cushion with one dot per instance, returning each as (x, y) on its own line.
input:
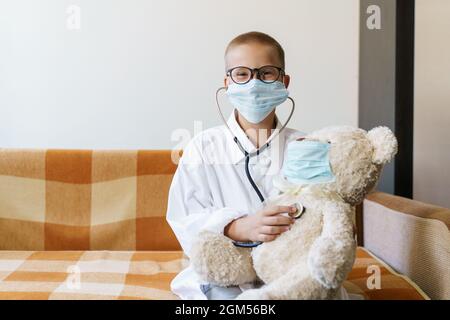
(85, 199)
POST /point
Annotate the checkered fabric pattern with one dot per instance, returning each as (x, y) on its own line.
(391, 286)
(99, 275)
(146, 275)
(80, 224)
(85, 200)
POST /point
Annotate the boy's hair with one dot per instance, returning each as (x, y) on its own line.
(261, 38)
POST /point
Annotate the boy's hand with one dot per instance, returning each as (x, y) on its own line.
(265, 225)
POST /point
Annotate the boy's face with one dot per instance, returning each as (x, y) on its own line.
(252, 55)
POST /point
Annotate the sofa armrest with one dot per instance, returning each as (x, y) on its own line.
(412, 237)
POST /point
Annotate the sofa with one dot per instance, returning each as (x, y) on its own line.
(90, 224)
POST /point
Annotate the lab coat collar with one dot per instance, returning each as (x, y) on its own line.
(237, 154)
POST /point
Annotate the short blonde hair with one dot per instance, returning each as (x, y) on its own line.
(261, 38)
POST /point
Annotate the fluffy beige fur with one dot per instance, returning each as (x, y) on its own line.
(311, 260)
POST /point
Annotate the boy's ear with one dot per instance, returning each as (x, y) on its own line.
(225, 82)
(286, 80)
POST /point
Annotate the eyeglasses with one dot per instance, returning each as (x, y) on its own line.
(267, 74)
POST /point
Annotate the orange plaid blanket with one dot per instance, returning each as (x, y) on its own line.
(147, 275)
(72, 222)
(88, 274)
(85, 200)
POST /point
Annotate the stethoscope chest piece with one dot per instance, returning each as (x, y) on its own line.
(300, 210)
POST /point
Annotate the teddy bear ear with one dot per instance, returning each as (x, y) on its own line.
(384, 143)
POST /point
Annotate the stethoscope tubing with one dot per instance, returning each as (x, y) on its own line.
(266, 145)
(247, 159)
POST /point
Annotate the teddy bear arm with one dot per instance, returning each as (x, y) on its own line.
(331, 260)
(338, 220)
(332, 254)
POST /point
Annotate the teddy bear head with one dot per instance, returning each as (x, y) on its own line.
(356, 157)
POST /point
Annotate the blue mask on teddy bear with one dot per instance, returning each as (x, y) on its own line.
(307, 162)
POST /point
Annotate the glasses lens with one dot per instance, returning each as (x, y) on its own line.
(241, 75)
(269, 74)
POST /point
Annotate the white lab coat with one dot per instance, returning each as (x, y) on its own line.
(210, 188)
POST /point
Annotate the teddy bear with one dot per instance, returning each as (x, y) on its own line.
(314, 257)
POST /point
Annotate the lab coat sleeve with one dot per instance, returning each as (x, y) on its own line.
(190, 205)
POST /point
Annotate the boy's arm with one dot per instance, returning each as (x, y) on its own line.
(265, 225)
(233, 230)
(190, 206)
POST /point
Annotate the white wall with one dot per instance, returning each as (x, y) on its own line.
(432, 102)
(137, 70)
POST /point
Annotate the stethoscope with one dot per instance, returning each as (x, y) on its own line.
(249, 155)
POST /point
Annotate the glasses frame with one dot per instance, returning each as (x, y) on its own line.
(281, 72)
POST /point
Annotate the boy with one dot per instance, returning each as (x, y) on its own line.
(210, 190)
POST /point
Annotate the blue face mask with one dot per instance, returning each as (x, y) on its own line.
(307, 162)
(256, 99)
